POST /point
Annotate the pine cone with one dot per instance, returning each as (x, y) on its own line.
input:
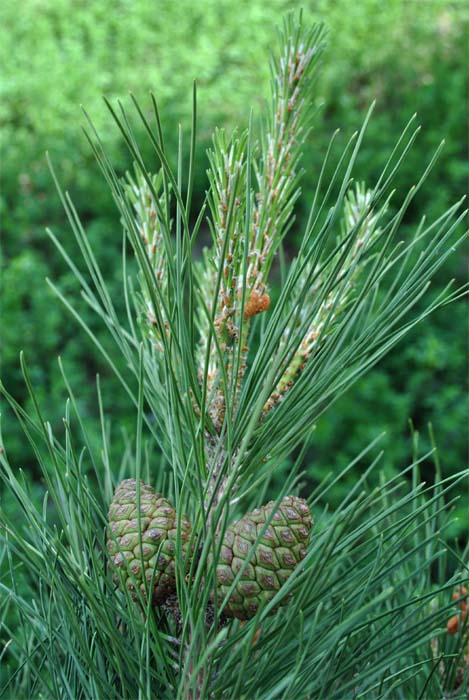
(143, 548)
(279, 551)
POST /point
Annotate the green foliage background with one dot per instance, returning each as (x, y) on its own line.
(60, 54)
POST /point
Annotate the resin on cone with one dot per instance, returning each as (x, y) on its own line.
(279, 551)
(143, 547)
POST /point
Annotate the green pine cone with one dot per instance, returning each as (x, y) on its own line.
(141, 560)
(279, 551)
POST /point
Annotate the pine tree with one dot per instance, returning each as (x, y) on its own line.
(170, 575)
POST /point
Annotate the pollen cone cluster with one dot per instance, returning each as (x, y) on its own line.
(142, 541)
(267, 565)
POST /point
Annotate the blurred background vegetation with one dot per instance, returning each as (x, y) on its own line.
(409, 55)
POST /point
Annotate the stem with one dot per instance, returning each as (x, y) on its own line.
(216, 486)
(189, 691)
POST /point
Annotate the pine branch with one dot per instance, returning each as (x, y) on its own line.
(192, 586)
